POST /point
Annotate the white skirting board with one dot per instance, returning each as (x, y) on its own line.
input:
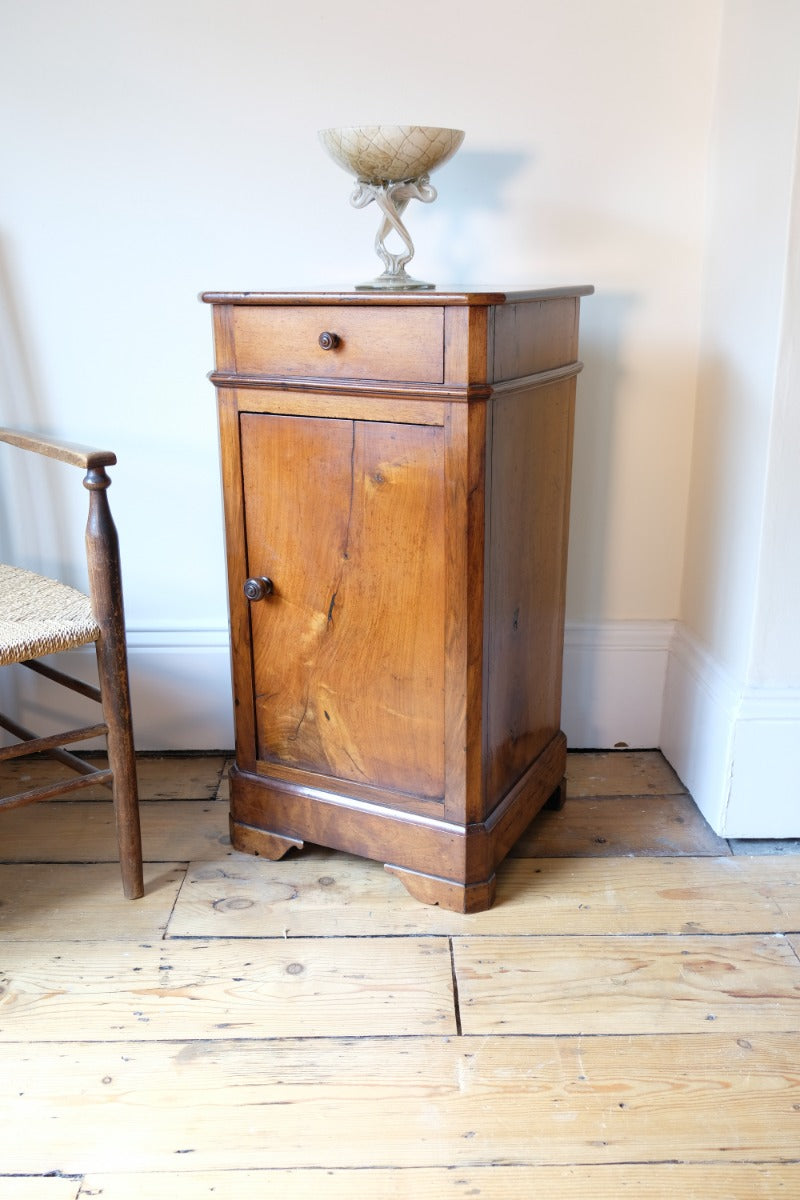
(180, 679)
(736, 747)
(614, 674)
(627, 684)
(180, 691)
(613, 686)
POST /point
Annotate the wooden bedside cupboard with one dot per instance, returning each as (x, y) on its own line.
(396, 479)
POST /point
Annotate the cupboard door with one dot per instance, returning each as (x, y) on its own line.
(347, 519)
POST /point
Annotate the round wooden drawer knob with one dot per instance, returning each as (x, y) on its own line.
(329, 341)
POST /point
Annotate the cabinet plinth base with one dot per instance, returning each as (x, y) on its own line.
(455, 897)
(558, 798)
(439, 861)
(261, 842)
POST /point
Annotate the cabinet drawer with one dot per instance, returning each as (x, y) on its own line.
(393, 343)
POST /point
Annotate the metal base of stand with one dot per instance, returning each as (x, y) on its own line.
(394, 283)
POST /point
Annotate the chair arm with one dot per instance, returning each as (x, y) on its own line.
(78, 456)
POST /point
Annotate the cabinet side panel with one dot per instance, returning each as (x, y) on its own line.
(346, 518)
(528, 523)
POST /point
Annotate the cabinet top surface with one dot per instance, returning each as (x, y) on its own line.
(430, 297)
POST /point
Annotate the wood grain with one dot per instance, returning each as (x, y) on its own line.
(567, 897)
(33, 1188)
(373, 343)
(615, 826)
(372, 493)
(172, 831)
(87, 457)
(621, 773)
(627, 985)
(648, 1181)
(389, 298)
(534, 337)
(340, 404)
(412, 643)
(418, 1102)
(527, 546)
(651, 1100)
(465, 473)
(161, 777)
(238, 571)
(243, 988)
(47, 903)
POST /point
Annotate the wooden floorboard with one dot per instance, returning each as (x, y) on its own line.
(607, 773)
(629, 985)
(321, 893)
(33, 1188)
(647, 1182)
(400, 1102)
(623, 1022)
(614, 826)
(84, 902)
(84, 831)
(160, 777)
(324, 988)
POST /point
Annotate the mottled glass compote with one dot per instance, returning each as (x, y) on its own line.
(392, 165)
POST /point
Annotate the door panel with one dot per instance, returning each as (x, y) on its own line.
(347, 519)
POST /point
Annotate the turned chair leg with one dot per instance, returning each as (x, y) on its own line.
(105, 584)
(114, 688)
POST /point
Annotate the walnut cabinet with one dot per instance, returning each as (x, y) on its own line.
(396, 478)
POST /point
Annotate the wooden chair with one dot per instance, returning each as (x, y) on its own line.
(39, 617)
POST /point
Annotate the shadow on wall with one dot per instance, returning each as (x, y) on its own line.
(604, 320)
(726, 502)
(476, 182)
(33, 509)
(478, 178)
(33, 505)
(472, 183)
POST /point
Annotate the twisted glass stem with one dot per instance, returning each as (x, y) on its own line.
(392, 199)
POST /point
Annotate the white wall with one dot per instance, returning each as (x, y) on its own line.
(156, 149)
(732, 706)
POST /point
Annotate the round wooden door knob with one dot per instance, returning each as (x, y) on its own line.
(329, 341)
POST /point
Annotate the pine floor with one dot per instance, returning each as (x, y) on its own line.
(622, 1023)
